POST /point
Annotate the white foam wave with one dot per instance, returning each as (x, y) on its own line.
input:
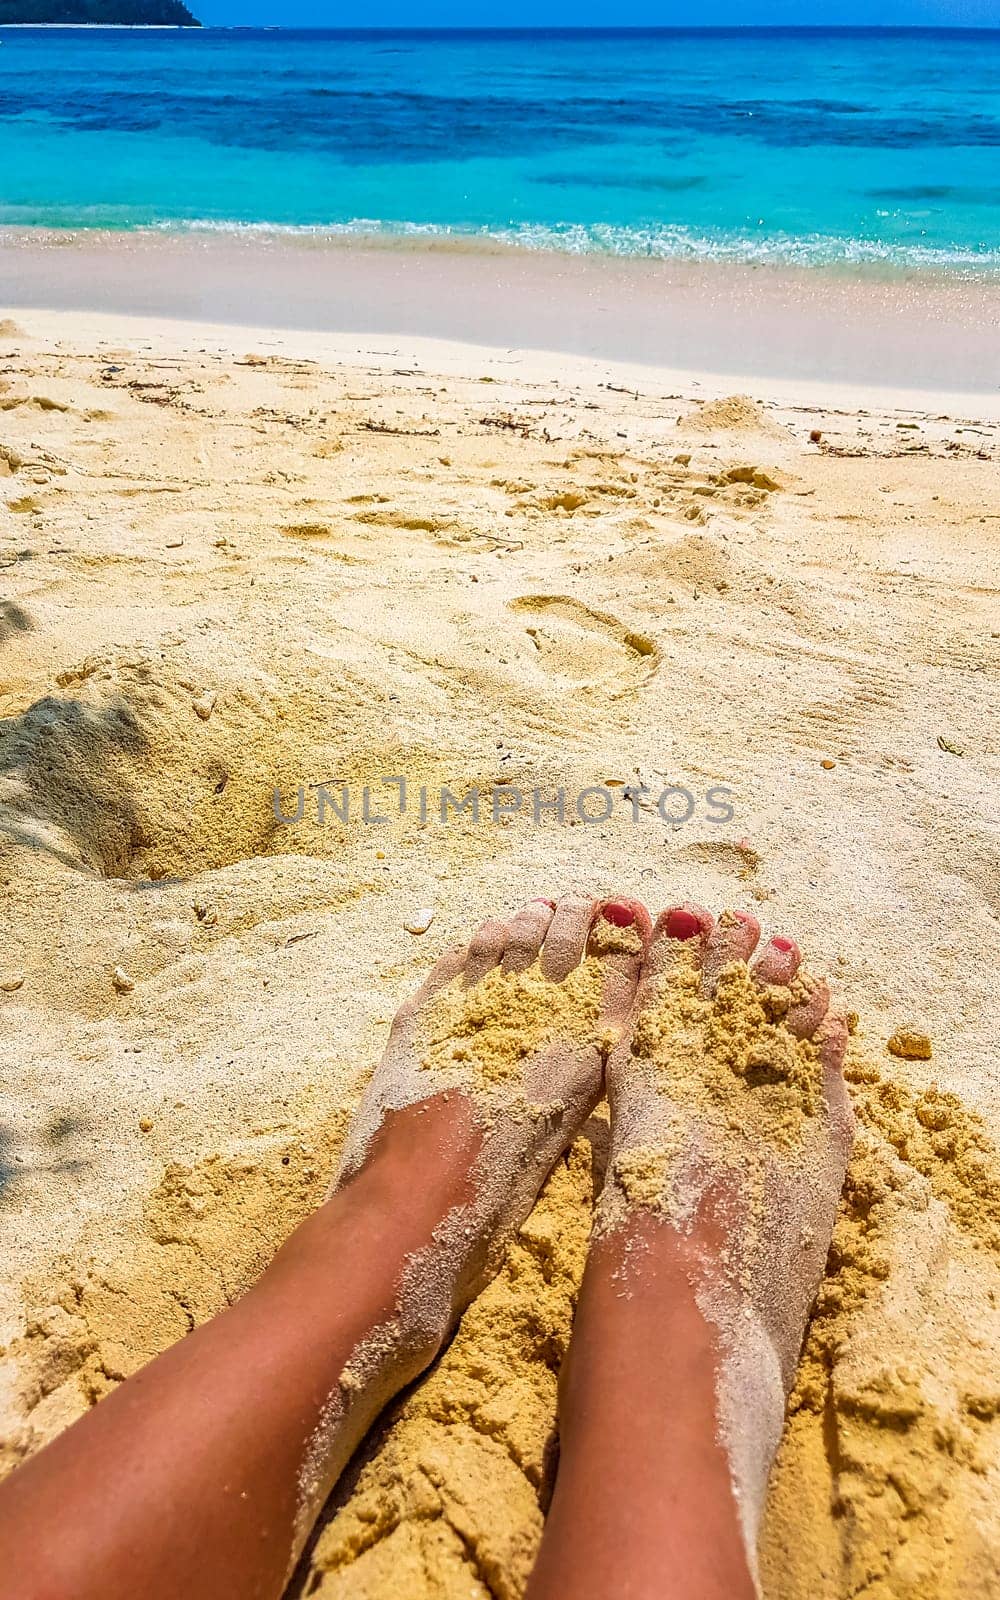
(658, 242)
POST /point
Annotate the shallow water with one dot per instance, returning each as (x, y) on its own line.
(805, 146)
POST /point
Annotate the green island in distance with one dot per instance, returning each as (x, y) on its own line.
(95, 13)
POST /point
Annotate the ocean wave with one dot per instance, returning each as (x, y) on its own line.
(667, 243)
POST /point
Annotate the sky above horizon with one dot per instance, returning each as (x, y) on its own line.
(584, 13)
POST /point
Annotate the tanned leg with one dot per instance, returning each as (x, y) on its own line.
(202, 1475)
(731, 1130)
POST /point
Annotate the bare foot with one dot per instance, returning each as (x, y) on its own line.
(731, 1130)
(501, 1056)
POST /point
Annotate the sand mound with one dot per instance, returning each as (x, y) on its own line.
(893, 1415)
(700, 566)
(165, 763)
(735, 413)
(694, 562)
(32, 402)
(142, 766)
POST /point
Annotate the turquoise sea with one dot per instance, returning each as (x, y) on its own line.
(792, 145)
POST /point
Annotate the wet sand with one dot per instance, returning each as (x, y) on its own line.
(890, 329)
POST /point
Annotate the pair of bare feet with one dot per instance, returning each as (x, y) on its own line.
(730, 1134)
(203, 1473)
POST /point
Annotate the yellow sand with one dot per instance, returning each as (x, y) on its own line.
(729, 1057)
(223, 576)
(891, 1424)
(487, 1033)
(484, 1035)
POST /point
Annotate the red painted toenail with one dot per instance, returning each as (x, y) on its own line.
(682, 925)
(540, 900)
(618, 914)
(784, 945)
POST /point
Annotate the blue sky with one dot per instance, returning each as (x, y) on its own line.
(580, 13)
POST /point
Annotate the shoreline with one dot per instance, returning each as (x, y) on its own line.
(917, 331)
(860, 259)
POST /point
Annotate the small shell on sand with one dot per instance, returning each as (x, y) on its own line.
(145, 1125)
(827, 764)
(205, 705)
(910, 1044)
(122, 982)
(11, 982)
(420, 920)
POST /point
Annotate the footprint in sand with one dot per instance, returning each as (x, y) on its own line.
(32, 402)
(726, 855)
(406, 521)
(583, 649)
(305, 530)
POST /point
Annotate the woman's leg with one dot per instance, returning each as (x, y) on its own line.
(189, 1477)
(730, 1136)
(202, 1475)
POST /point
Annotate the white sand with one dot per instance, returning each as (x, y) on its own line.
(464, 566)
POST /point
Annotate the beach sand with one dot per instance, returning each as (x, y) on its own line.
(240, 559)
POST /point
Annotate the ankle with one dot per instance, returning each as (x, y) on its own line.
(420, 1155)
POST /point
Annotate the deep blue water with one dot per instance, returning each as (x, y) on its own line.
(795, 145)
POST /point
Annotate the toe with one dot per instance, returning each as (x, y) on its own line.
(444, 970)
(778, 962)
(734, 938)
(486, 948)
(619, 939)
(680, 931)
(526, 933)
(566, 938)
(805, 1016)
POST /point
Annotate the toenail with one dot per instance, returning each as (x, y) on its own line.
(540, 900)
(784, 945)
(682, 925)
(618, 914)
